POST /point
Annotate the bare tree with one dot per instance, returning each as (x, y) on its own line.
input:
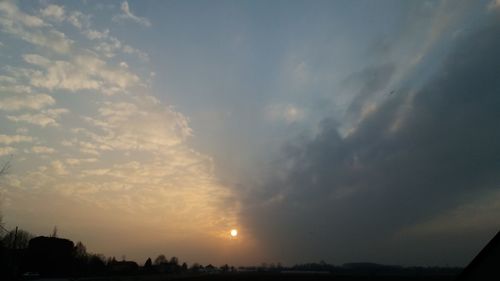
(17, 239)
(3, 171)
(5, 166)
(54, 232)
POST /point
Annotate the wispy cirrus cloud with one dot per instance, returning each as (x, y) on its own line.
(82, 72)
(28, 101)
(10, 139)
(53, 12)
(44, 118)
(128, 15)
(6, 150)
(32, 29)
(17, 17)
(140, 125)
(40, 149)
(78, 19)
(78, 161)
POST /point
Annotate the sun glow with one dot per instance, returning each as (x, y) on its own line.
(234, 232)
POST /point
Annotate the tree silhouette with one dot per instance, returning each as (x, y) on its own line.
(196, 267)
(80, 258)
(110, 261)
(224, 268)
(3, 171)
(161, 259)
(54, 232)
(174, 261)
(5, 166)
(17, 239)
(148, 264)
(96, 264)
(80, 250)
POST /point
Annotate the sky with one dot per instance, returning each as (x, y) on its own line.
(337, 131)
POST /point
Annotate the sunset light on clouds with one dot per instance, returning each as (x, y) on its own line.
(101, 152)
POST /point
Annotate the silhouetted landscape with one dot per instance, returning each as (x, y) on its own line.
(25, 258)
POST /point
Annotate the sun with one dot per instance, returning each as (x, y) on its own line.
(234, 232)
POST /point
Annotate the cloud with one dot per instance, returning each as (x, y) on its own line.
(95, 34)
(494, 4)
(140, 54)
(126, 155)
(32, 29)
(144, 170)
(480, 213)
(45, 118)
(9, 139)
(83, 69)
(144, 125)
(42, 150)
(35, 31)
(53, 12)
(78, 161)
(83, 72)
(21, 130)
(17, 102)
(109, 45)
(12, 12)
(285, 112)
(10, 85)
(58, 167)
(344, 197)
(79, 20)
(7, 150)
(127, 15)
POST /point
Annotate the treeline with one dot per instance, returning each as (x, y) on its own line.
(22, 252)
(22, 256)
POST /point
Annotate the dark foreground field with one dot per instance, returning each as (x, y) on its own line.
(263, 277)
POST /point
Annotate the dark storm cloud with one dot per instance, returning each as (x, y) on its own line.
(344, 199)
(372, 80)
